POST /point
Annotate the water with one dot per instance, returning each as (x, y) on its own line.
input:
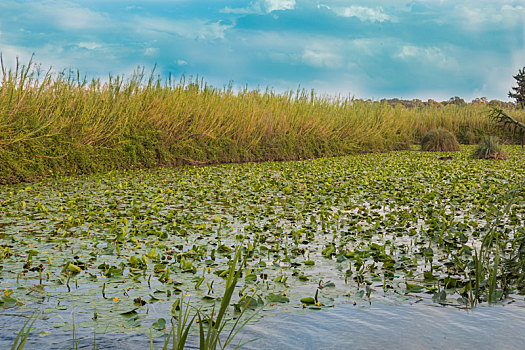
(382, 326)
(375, 326)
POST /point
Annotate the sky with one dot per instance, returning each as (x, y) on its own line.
(367, 49)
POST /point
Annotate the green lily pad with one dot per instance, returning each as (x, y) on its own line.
(277, 298)
(308, 300)
(159, 325)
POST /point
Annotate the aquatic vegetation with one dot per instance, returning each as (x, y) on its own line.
(125, 249)
(439, 140)
(489, 148)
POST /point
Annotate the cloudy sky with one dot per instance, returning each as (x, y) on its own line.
(365, 48)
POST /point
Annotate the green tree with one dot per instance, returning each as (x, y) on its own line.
(519, 91)
(456, 100)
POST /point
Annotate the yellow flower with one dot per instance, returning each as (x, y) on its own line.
(115, 299)
(8, 292)
(318, 303)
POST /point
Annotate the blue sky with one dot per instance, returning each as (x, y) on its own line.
(368, 49)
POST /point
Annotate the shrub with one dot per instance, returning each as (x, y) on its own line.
(489, 148)
(439, 140)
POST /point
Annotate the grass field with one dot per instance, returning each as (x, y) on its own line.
(120, 249)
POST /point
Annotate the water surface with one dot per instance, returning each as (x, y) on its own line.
(382, 326)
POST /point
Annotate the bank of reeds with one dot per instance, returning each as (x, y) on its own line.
(64, 124)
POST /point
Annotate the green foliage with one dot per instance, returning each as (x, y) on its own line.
(489, 148)
(519, 90)
(438, 140)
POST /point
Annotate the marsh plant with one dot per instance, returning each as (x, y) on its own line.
(439, 140)
(489, 148)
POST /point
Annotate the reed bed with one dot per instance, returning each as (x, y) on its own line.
(64, 124)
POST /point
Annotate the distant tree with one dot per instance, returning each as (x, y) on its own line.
(502, 104)
(433, 103)
(480, 101)
(456, 100)
(519, 91)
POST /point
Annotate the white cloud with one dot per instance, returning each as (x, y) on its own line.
(318, 57)
(363, 13)
(190, 29)
(486, 13)
(68, 15)
(278, 5)
(151, 51)
(241, 10)
(89, 45)
(296, 49)
(181, 62)
(432, 55)
(261, 7)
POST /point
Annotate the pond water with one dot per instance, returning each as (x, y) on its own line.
(382, 326)
(374, 326)
(402, 230)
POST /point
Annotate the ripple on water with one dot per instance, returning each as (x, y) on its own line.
(379, 326)
(383, 326)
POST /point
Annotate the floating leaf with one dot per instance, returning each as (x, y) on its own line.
(277, 298)
(159, 325)
(308, 300)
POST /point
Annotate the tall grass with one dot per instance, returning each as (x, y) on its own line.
(62, 123)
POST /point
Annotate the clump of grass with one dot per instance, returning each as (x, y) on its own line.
(489, 148)
(439, 140)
